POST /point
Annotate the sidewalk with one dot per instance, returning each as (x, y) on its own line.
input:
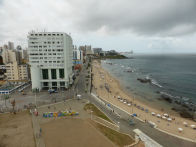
(38, 136)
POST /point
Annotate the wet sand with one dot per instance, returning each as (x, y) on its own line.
(102, 81)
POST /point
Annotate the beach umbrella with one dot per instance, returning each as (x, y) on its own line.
(146, 110)
(180, 129)
(79, 96)
(169, 119)
(125, 102)
(158, 115)
(118, 97)
(193, 126)
(153, 113)
(163, 117)
(129, 104)
(166, 115)
(121, 100)
(185, 123)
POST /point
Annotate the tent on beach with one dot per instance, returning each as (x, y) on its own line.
(166, 115)
(193, 126)
(158, 115)
(180, 129)
(129, 104)
(185, 124)
(169, 119)
(153, 113)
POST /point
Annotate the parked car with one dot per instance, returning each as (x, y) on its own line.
(52, 91)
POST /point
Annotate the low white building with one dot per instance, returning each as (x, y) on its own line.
(50, 58)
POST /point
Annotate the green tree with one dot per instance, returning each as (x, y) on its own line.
(6, 97)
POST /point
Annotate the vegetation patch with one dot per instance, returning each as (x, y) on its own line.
(116, 137)
(114, 57)
(96, 111)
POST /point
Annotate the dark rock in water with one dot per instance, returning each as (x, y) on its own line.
(144, 80)
(167, 98)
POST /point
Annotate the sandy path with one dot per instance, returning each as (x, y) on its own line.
(16, 130)
(101, 77)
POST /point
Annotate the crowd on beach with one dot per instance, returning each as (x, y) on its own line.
(108, 88)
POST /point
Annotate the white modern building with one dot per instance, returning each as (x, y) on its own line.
(50, 58)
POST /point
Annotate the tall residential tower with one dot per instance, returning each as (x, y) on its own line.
(50, 58)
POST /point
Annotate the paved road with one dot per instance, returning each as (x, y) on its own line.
(162, 138)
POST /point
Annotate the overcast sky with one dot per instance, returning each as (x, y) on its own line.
(151, 26)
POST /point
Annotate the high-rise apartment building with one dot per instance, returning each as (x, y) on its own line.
(50, 58)
(10, 45)
(15, 70)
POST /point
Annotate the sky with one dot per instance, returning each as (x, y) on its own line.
(144, 26)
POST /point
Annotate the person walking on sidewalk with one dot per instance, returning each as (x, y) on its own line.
(40, 132)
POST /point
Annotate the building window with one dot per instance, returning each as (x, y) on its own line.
(53, 73)
(45, 84)
(61, 73)
(54, 84)
(45, 73)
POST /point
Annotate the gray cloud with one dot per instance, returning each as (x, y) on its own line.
(143, 17)
(151, 17)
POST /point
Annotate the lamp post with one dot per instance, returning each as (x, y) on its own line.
(91, 115)
(133, 104)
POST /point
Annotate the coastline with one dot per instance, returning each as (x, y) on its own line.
(101, 75)
(138, 98)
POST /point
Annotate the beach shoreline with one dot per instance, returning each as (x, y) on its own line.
(155, 105)
(117, 90)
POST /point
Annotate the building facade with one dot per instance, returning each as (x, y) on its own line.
(77, 56)
(97, 51)
(50, 58)
(15, 72)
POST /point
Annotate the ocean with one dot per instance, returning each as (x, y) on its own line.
(172, 76)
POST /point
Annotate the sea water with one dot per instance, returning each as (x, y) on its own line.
(171, 74)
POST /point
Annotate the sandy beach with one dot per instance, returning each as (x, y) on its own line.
(108, 88)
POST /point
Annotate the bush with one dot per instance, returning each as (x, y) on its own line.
(186, 114)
